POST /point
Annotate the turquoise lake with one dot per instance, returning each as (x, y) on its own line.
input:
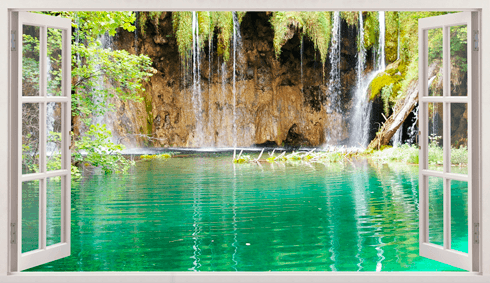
(203, 213)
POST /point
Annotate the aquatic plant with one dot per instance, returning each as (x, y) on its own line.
(163, 156)
(410, 154)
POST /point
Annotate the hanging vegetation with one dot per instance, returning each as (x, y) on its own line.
(351, 18)
(208, 22)
(153, 16)
(316, 26)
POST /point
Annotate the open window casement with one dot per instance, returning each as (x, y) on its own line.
(40, 156)
(448, 120)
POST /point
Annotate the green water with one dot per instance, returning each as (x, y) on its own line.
(205, 214)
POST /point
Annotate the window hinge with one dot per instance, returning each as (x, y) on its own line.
(476, 41)
(13, 40)
(13, 233)
(476, 233)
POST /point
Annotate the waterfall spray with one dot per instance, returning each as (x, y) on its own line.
(334, 86)
(196, 81)
(360, 121)
(382, 63)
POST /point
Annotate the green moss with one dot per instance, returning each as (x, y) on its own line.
(144, 17)
(209, 23)
(371, 29)
(351, 18)
(316, 26)
(391, 35)
(149, 113)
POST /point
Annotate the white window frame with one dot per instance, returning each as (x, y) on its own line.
(481, 6)
(44, 253)
(444, 253)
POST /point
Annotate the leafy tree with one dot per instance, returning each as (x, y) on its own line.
(98, 74)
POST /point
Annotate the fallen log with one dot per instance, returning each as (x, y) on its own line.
(402, 109)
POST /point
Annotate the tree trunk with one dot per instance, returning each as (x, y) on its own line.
(402, 109)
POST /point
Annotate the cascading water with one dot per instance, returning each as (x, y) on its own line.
(381, 63)
(397, 137)
(196, 81)
(357, 134)
(413, 129)
(334, 82)
(360, 119)
(236, 39)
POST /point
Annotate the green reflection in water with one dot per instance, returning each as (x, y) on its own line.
(204, 214)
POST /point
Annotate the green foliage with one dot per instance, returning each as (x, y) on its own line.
(387, 85)
(144, 17)
(351, 18)
(459, 155)
(404, 153)
(224, 25)
(242, 159)
(392, 23)
(93, 24)
(410, 154)
(222, 22)
(105, 74)
(97, 75)
(316, 26)
(386, 96)
(96, 149)
(182, 25)
(371, 29)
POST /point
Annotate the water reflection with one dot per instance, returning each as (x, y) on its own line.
(207, 214)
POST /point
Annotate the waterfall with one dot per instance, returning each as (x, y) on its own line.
(211, 112)
(361, 105)
(334, 82)
(361, 116)
(106, 43)
(382, 63)
(397, 137)
(196, 81)
(235, 35)
(413, 129)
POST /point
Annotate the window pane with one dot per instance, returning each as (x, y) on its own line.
(435, 62)
(54, 63)
(30, 216)
(53, 125)
(459, 138)
(435, 126)
(459, 216)
(30, 138)
(436, 210)
(30, 60)
(53, 210)
(459, 65)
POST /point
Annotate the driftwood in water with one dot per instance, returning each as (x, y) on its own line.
(402, 109)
